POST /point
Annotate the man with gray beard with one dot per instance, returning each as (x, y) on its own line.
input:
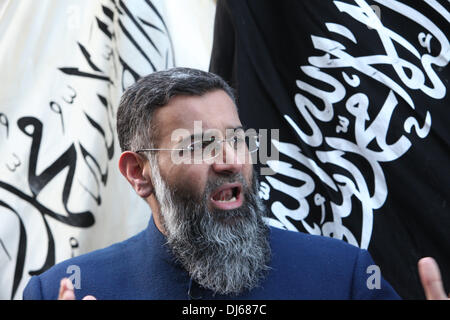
(226, 252)
(186, 153)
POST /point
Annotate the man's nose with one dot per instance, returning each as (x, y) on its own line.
(228, 161)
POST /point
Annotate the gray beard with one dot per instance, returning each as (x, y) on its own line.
(224, 251)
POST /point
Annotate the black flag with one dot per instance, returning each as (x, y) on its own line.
(358, 90)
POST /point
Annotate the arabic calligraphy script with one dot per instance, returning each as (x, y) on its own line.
(345, 164)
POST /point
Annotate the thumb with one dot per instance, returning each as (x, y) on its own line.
(430, 276)
(66, 290)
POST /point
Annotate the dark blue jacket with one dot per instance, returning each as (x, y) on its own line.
(303, 267)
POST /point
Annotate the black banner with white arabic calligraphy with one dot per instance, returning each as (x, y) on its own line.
(358, 90)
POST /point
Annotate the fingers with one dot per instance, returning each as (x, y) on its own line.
(430, 277)
(66, 290)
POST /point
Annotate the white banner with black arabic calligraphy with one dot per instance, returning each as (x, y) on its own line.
(64, 65)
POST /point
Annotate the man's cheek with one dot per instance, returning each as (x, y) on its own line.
(190, 188)
(248, 174)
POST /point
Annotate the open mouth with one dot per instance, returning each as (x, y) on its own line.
(227, 197)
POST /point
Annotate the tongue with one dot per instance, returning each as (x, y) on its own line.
(224, 195)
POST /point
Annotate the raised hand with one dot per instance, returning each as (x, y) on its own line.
(430, 276)
(67, 291)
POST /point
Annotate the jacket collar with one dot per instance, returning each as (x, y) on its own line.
(157, 242)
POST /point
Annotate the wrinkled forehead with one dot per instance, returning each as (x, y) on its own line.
(213, 111)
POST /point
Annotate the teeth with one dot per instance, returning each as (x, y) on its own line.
(230, 200)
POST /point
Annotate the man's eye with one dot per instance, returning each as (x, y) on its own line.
(207, 143)
(200, 145)
(238, 142)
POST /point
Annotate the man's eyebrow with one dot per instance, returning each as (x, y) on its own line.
(192, 137)
(199, 136)
(236, 128)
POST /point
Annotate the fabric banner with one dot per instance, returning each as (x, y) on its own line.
(358, 90)
(64, 67)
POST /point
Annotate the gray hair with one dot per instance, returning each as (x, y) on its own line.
(135, 127)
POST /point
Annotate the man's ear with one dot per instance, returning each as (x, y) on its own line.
(132, 166)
